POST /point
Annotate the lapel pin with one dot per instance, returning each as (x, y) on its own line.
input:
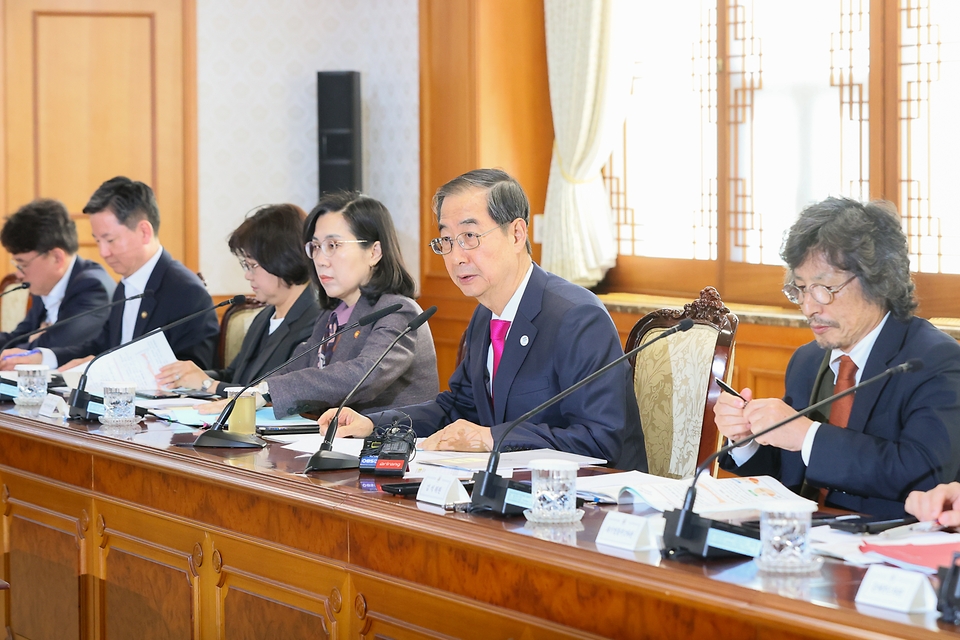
(356, 334)
(524, 341)
(143, 314)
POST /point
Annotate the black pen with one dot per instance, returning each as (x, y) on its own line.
(723, 385)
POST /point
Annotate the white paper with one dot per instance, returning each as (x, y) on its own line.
(310, 443)
(714, 496)
(138, 362)
(477, 461)
(192, 417)
(896, 589)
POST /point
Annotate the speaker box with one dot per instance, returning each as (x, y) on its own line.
(338, 126)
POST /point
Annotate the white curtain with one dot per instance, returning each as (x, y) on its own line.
(590, 66)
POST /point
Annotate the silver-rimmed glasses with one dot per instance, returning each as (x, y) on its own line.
(467, 240)
(328, 247)
(819, 292)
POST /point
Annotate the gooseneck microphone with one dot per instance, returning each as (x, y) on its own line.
(688, 532)
(19, 287)
(80, 399)
(492, 492)
(26, 336)
(326, 459)
(215, 436)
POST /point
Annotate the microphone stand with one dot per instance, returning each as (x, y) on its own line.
(506, 497)
(689, 532)
(216, 436)
(326, 459)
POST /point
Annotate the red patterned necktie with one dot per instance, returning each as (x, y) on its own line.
(498, 333)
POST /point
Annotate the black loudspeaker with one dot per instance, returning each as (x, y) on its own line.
(338, 128)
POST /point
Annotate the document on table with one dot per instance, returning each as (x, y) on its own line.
(477, 461)
(192, 417)
(138, 363)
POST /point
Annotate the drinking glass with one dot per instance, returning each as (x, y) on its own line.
(31, 383)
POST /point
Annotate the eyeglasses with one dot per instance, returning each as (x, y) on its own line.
(328, 247)
(821, 293)
(20, 266)
(467, 240)
(248, 266)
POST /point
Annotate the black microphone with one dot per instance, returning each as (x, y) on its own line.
(686, 531)
(80, 399)
(493, 493)
(26, 336)
(19, 287)
(215, 436)
(326, 459)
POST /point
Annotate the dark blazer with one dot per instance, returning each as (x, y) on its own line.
(903, 433)
(88, 287)
(561, 334)
(261, 352)
(177, 292)
(408, 374)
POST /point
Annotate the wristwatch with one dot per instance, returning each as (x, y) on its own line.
(206, 384)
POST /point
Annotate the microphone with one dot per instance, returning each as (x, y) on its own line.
(326, 459)
(80, 400)
(686, 531)
(19, 287)
(215, 436)
(506, 497)
(26, 336)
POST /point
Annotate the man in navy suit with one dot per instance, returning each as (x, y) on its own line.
(42, 240)
(553, 334)
(125, 220)
(849, 271)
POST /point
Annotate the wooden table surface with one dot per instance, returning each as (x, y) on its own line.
(221, 543)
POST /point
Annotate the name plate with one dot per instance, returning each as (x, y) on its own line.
(442, 490)
(896, 589)
(53, 406)
(627, 531)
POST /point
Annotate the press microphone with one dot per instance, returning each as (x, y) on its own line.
(26, 336)
(80, 399)
(506, 497)
(19, 287)
(326, 459)
(686, 531)
(215, 436)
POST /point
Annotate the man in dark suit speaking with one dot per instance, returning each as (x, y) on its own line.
(849, 271)
(42, 241)
(532, 336)
(125, 219)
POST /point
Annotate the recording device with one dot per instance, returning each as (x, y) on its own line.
(216, 436)
(326, 459)
(507, 497)
(86, 406)
(398, 447)
(688, 532)
(370, 452)
(870, 524)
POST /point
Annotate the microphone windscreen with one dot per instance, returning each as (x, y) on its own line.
(371, 318)
(147, 294)
(685, 325)
(24, 285)
(914, 364)
(420, 319)
(238, 299)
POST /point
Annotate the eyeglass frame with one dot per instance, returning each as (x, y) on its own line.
(460, 242)
(336, 245)
(20, 267)
(248, 266)
(809, 288)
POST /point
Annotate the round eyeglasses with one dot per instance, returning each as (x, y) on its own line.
(467, 240)
(248, 265)
(328, 247)
(819, 292)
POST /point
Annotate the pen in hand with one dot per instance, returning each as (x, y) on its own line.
(32, 352)
(724, 386)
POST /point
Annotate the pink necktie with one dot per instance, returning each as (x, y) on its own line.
(498, 333)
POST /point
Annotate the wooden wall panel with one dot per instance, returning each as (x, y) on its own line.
(146, 599)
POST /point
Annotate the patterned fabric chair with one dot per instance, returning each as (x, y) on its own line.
(13, 306)
(233, 327)
(674, 382)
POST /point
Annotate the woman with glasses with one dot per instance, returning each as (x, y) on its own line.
(268, 247)
(358, 269)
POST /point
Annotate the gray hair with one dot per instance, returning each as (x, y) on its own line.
(866, 240)
(506, 200)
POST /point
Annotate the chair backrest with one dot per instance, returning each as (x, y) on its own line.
(674, 382)
(233, 328)
(13, 306)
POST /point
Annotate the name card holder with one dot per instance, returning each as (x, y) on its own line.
(54, 407)
(627, 531)
(442, 490)
(896, 589)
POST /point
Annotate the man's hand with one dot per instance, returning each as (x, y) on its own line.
(769, 411)
(461, 436)
(76, 362)
(182, 373)
(9, 358)
(942, 503)
(349, 424)
(728, 413)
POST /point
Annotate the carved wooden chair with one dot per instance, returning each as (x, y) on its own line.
(674, 382)
(233, 328)
(13, 306)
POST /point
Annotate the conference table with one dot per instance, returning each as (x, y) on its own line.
(147, 537)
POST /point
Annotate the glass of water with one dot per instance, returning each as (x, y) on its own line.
(118, 403)
(554, 488)
(785, 538)
(31, 384)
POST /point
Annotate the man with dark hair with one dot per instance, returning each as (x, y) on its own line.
(124, 219)
(849, 272)
(532, 336)
(42, 241)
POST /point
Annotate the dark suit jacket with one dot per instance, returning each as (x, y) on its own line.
(88, 287)
(903, 433)
(260, 352)
(177, 292)
(561, 334)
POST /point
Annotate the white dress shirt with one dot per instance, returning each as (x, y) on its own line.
(134, 284)
(53, 300)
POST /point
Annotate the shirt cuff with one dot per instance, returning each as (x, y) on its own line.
(49, 358)
(807, 446)
(744, 453)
